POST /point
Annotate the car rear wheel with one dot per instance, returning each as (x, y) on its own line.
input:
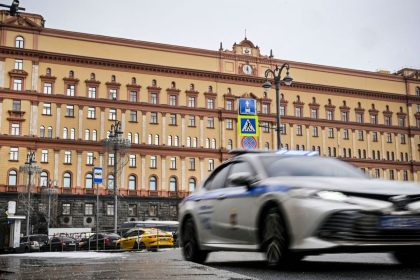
(407, 257)
(138, 246)
(274, 240)
(190, 248)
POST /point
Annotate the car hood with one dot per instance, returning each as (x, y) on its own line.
(352, 185)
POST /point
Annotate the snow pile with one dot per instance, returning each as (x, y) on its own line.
(72, 255)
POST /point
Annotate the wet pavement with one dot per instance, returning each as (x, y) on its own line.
(123, 265)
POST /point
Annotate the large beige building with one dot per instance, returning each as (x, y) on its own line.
(60, 92)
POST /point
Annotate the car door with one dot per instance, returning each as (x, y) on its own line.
(236, 208)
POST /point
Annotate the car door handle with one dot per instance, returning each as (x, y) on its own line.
(222, 196)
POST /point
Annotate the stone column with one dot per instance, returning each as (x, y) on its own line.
(56, 165)
(164, 138)
(58, 121)
(35, 76)
(143, 172)
(382, 146)
(182, 130)
(143, 127)
(324, 144)
(163, 178)
(102, 124)
(201, 168)
(79, 169)
(80, 120)
(183, 175)
(201, 144)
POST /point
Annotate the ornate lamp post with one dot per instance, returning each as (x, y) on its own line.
(276, 73)
(31, 169)
(116, 144)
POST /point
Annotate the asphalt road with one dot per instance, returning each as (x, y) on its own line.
(169, 264)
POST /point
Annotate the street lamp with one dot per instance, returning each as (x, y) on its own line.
(31, 169)
(276, 73)
(116, 143)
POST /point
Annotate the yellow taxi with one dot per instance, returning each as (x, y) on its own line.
(145, 238)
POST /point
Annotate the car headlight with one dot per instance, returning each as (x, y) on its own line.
(332, 195)
(322, 194)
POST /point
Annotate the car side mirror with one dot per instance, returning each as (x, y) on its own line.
(241, 179)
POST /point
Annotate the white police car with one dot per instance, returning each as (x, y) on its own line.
(289, 204)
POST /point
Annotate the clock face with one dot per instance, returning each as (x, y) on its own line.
(247, 69)
(246, 51)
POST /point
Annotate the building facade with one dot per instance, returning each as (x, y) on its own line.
(60, 92)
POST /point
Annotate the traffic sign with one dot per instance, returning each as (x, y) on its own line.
(248, 125)
(97, 174)
(247, 106)
(249, 143)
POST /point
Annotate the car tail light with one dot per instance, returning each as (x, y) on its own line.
(107, 241)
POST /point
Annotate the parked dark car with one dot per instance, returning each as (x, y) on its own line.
(105, 241)
(63, 243)
(34, 243)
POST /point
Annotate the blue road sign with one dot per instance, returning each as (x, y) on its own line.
(97, 174)
(247, 106)
(249, 143)
(248, 125)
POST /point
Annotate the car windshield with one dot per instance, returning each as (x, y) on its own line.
(309, 166)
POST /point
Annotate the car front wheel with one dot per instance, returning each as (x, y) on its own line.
(190, 248)
(407, 257)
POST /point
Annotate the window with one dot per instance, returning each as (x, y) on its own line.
(191, 164)
(89, 181)
(19, 42)
(330, 115)
(43, 179)
(345, 116)
(229, 145)
(66, 208)
(172, 164)
(153, 118)
(133, 116)
(42, 131)
(91, 113)
(12, 178)
(387, 120)
(67, 180)
(16, 106)
(283, 129)
(15, 129)
(111, 159)
(65, 133)
(132, 210)
(88, 209)
(152, 183)
(401, 122)
(265, 127)
(360, 135)
(402, 138)
(210, 122)
(191, 121)
(49, 132)
(153, 161)
(389, 137)
(17, 84)
(191, 184)
(112, 94)
(92, 92)
(72, 133)
(176, 141)
(299, 130)
(67, 157)
(157, 139)
(47, 88)
(46, 110)
(70, 111)
(133, 96)
(153, 210)
(211, 164)
(87, 134)
(194, 142)
(210, 103)
(265, 109)
(359, 117)
(153, 98)
(70, 90)
(132, 184)
(14, 153)
(315, 131)
(191, 101)
(373, 119)
(44, 156)
(377, 173)
(110, 209)
(173, 100)
(374, 136)
(314, 113)
(112, 114)
(282, 111)
(405, 174)
(298, 112)
(229, 105)
(417, 91)
(229, 124)
(18, 64)
(172, 184)
(94, 135)
(330, 132)
(132, 161)
(89, 158)
(172, 119)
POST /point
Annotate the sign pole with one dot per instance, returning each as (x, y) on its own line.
(97, 179)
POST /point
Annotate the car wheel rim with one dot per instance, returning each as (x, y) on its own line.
(189, 242)
(273, 253)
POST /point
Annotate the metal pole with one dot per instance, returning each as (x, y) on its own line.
(29, 200)
(278, 130)
(97, 214)
(49, 208)
(115, 188)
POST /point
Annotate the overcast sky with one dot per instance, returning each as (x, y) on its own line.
(358, 34)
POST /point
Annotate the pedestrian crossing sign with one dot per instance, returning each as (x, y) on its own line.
(248, 125)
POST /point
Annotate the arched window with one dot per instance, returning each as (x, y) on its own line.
(207, 143)
(176, 141)
(418, 91)
(67, 180)
(110, 183)
(191, 184)
(129, 137)
(43, 179)
(172, 184)
(157, 139)
(267, 146)
(152, 183)
(72, 133)
(169, 140)
(42, 131)
(12, 178)
(87, 134)
(50, 132)
(89, 181)
(136, 138)
(94, 135)
(194, 143)
(132, 183)
(19, 42)
(188, 141)
(65, 133)
(229, 144)
(213, 143)
(149, 139)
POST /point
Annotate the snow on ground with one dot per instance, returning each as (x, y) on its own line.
(73, 255)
